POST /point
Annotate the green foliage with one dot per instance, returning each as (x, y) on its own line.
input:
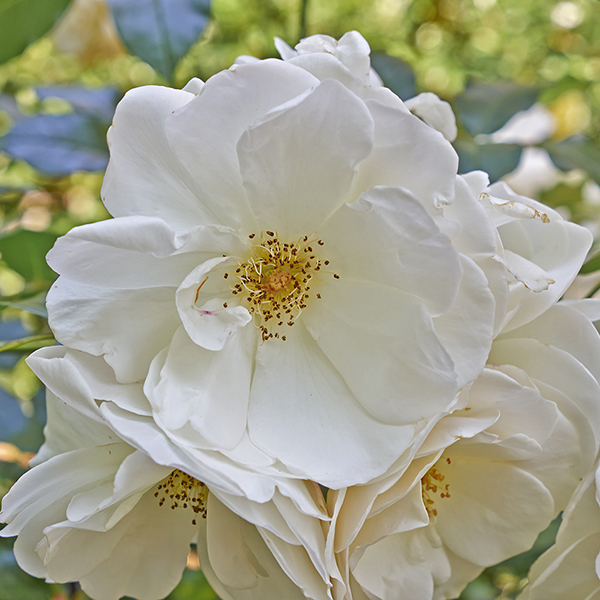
(395, 74)
(25, 251)
(495, 159)
(15, 584)
(485, 108)
(24, 21)
(576, 153)
(193, 586)
(160, 31)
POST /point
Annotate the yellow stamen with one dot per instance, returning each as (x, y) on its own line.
(183, 491)
(431, 484)
(274, 281)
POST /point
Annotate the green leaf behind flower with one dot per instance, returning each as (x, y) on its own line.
(24, 21)
(486, 107)
(24, 252)
(495, 159)
(160, 31)
(575, 153)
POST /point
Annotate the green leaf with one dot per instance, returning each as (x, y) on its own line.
(193, 586)
(395, 74)
(575, 153)
(34, 303)
(593, 264)
(161, 32)
(24, 252)
(486, 107)
(495, 159)
(24, 21)
(28, 344)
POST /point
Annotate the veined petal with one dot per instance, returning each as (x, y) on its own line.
(295, 562)
(494, 510)
(387, 237)
(405, 149)
(144, 177)
(295, 181)
(208, 390)
(556, 327)
(215, 469)
(435, 112)
(209, 324)
(80, 379)
(467, 329)
(205, 133)
(406, 564)
(554, 367)
(294, 382)
(143, 555)
(137, 252)
(382, 343)
(36, 499)
(539, 235)
(128, 327)
(271, 582)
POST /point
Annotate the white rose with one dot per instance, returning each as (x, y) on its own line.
(489, 477)
(97, 510)
(571, 568)
(285, 264)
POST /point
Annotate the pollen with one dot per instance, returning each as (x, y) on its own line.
(274, 282)
(180, 490)
(432, 485)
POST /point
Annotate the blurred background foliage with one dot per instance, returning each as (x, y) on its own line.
(64, 65)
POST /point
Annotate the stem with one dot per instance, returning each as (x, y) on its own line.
(34, 339)
(303, 11)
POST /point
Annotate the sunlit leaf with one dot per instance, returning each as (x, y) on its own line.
(575, 153)
(24, 21)
(35, 304)
(395, 74)
(495, 159)
(486, 107)
(25, 251)
(28, 344)
(193, 586)
(161, 32)
(593, 264)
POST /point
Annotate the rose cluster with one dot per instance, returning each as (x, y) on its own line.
(308, 346)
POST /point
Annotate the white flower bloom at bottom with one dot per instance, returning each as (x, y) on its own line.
(97, 510)
(488, 478)
(571, 568)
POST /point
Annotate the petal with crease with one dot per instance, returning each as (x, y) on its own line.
(295, 181)
(382, 343)
(294, 382)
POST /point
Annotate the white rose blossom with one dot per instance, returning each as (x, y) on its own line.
(297, 289)
(293, 259)
(487, 479)
(571, 568)
(98, 510)
(277, 268)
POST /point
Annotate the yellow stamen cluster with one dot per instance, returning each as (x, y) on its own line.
(274, 281)
(183, 491)
(431, 484)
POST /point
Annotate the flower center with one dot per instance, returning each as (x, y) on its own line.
(432, 484)
(183, 491)
(275, 280)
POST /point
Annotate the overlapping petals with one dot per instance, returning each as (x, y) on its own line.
(305, 292)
